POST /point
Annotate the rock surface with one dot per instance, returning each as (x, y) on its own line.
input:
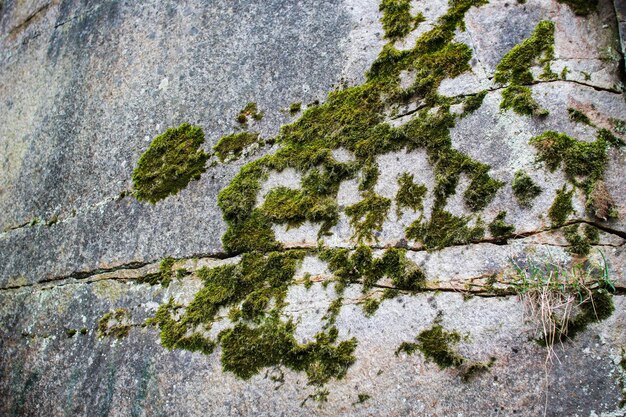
(85, 87)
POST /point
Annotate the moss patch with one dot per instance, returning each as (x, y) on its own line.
(578, 117)
(514, 69)
(163, 277)
(581, 244)
(397, 19)
(498, 227)
(561, 207)
(524, 189)
(410, 195)
(445, 229)
(231, 146)
(367, 216)
(114, 324)
(249, 111)
(172, 160)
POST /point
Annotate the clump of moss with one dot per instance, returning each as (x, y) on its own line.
(70, 332)
(520, 99)
(578, 117)
(370, 306)
(361, 266)
(524, 188)
(581, 7)
(584, 163)
(361, 398)
(367, 216)
(498, 227)
(410, 194)
(444, 229)
(295, 108)
(610, 138)
(397, 19)
(247, 350)
(173, 159)
(473, 102)
(437, 344)
(250, 110)
(231, 146)
(514, 68)
(407, 347)
(581, 244)
(114, 324)
(163, 277)
(561, 207)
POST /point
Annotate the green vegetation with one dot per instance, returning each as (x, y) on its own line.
(397, 19)
(295, 108)
(473, 102)
(561, 207)
(578, 117)
(163, 277)
(581, 244)
(498, 227)
(410, 195)
(445, 229)
(70, 332)
(581, 7)
(362, 398)
(231, 146)
(584, 164)
(370, 306)
(250, 110)
(514, 69)
(114, 324)
(438, 344)
(173, 159)
(524, 189)
(367, 216)
(563, 301)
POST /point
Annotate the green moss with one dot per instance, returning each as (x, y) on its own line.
(578, 117)
(519, 98)
(581, 244)
(437, 345)
(410, 195)
(561, 207)
(498, 227)
(114, 324)
(172, 160)
(514, 69)
(295, 108)
(367, 216)
(610, 138)
(407, 347)
(515, 66)
(581, 7)
(474, 369)
(361, 266)
(564, 73)
(482, 188)
(83, 330)
(473, 102)
(70, 332)
(362, 398)
(444, 229)
(618, 125)
(250, 110)
(163, 277)
(397, 19)
(247, 350)
(524, 189)
(370, 306)
(583, 162)
(231, 146)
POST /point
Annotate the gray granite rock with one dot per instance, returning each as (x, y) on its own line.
(84, 88)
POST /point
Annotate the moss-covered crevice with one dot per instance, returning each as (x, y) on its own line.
(515, 70)
(581, 244)
(499, 227)
(173, 159)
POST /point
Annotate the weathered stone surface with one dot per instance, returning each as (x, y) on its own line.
(85, 87)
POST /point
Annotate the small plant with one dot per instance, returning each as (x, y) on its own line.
(563, 301)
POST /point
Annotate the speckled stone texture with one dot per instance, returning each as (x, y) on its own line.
(85, 86)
